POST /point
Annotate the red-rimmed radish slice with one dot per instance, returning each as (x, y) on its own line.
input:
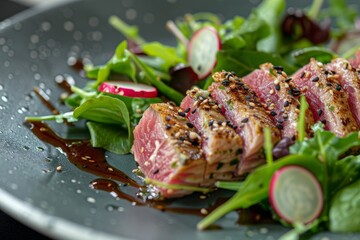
(202, 49)
(128, 89)
(295, 194)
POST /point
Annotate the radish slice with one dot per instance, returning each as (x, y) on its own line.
(128, 89)
(296, 195)
(202, 49)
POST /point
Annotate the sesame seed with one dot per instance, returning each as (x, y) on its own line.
(273, 113)
(319, 112)
(288, 80)
(302, 74)
(204, 211)
(167, 118)
(323, 121)
(277, 87)
(167, 126)
(338, 87)
(58, 168)
(279, 126)
(225, 82)
(276, 81)
(252, 104)
(187, 110)
(156, 171)
(193, 135)
(278, 68)
(245, 120)
(272, 91)
(182, 114)
(315, 79)
(286, 103)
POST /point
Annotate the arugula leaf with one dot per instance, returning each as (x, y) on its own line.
(345, 209)
(270, 11)
(165, 53)
(245, 61)
(302, 56)
(103, 109)
(346, 171)
(111, 137)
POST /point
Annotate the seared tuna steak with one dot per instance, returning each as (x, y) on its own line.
(272, 85)
(221, 144)
(243, 109)
(347, 76)
(168, 150)
(326, 97)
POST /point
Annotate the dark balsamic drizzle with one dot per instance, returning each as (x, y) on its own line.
(81, 154)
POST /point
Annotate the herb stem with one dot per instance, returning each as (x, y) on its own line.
(130, 32)
(171, 26)
(167, 91)
(234, 186)
(315, 8)
(301, 124)
(268, 145)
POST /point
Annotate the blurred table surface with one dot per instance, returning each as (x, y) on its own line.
(10, 229)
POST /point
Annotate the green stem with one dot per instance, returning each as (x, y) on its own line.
(82, 93)
(167, 91)
(130, 32)
(315, 9)
(301, 124)
(268, 145)
(233, 186)
(41, 118)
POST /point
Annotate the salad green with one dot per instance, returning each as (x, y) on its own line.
(246, 43)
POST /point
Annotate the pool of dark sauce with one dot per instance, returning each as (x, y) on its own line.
(92, 160)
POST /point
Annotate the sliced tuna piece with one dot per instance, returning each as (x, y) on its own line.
(221, 144)
(243, 109)
(349, 79)
(167, 150)
(326, 97)
(272, 85)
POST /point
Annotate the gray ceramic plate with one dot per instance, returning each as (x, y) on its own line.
(34, 48)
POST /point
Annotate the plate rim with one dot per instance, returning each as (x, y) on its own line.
(22, 211)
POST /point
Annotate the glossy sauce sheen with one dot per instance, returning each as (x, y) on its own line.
(82, 154)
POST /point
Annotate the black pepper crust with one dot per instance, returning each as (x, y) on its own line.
(180, 132)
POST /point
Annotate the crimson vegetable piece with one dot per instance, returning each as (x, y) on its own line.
(296, 195)
(183, 78)
(202, 49)
(128, 89)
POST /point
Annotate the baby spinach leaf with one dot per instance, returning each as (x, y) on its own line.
(345, 209)
(245, 61)
(346, 171)
(111, 137)
(103, 109)
(302, 57)
(165, 53)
